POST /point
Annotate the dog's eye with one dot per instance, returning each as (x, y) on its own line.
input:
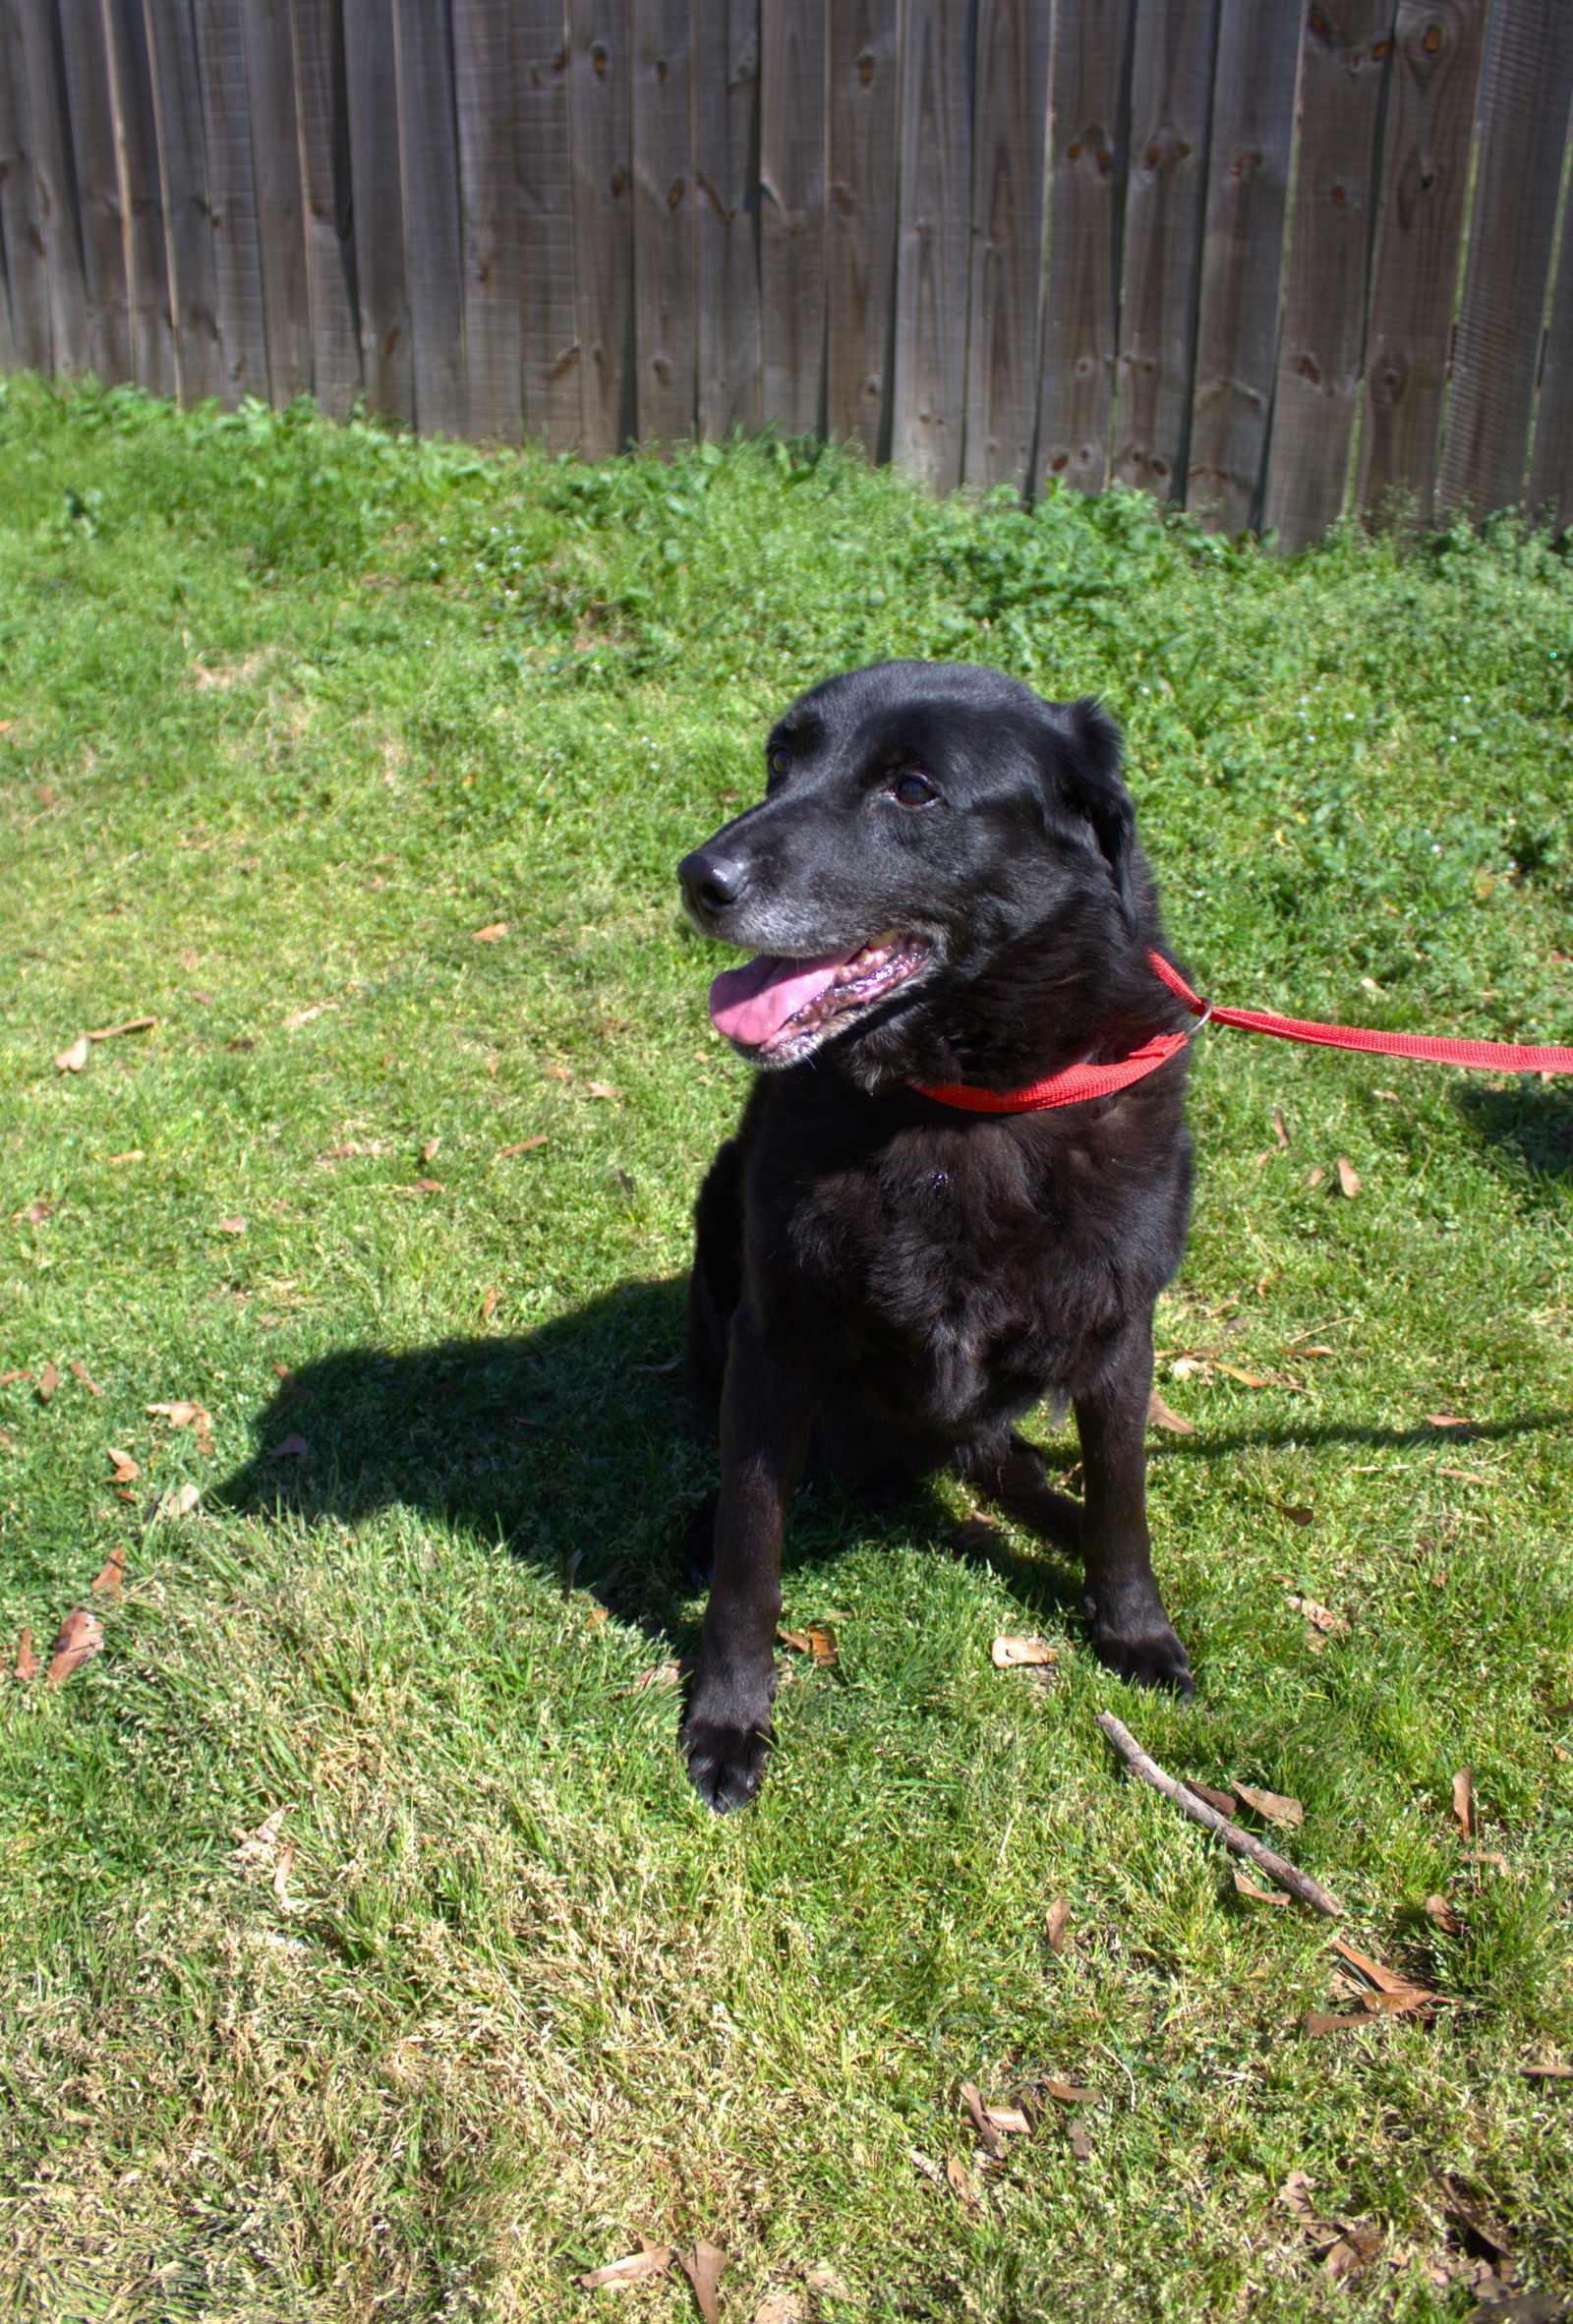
(778, 761)
(913, 790)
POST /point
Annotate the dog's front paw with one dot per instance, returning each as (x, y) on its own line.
(727, 1737)
(1140, 1645)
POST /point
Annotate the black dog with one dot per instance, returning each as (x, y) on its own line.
(944, 887)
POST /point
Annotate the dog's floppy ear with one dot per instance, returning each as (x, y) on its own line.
(1091, 772)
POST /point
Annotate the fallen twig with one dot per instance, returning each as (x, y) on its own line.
(1288, 1876)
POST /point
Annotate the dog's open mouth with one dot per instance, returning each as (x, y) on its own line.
(778, 1008)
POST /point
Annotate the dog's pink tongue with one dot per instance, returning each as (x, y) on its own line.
(751, 1003)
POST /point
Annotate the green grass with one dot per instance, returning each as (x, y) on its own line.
(288, 715)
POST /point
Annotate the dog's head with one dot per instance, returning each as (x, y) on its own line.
(921, 823)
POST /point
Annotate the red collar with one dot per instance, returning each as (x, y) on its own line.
(1076, 1083)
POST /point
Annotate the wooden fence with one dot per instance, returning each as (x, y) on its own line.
(1275, 258)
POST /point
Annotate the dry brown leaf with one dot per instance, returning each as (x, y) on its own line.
(992, 2139)
(1248, 1888)
(921, 2162)
(1533, 2073)
(80, 1371)
(1448, 1420)
(1009, 2119)
(1296, 2197)
(598, 1089)
(1319, 1617)
(1068, 2093)
(429, 1149)
(1164, 1416)
(1354, 2250)
(73, 1060)
(1273, 1806)
(1246, 1379)
(1438, 1909)
(125, 1470)
(1464, 1802)
(825, 2281)
(817, 1639)
(428, 1186)
(1012, 1654)
(1349, 1178)
(48, 1382)
(281, 1871)
(260, 1845)
(1413, 2001)
(293, 1447)
(181, 1500)
(8, 1379)
(234, 1225)
(489, 1302)
(1223, 1801)
(1280, 1130)
(82, 1634)
(556, 1073)
(1314, 1178)
(1385, 1979)
(300, 1016)
(703, 2272)
(1314, 2022)
(26, 1666)
(961, 2182)
(781, 2307)
(129, 1025)
(1295, 1511)
(110, 1578)
(1076, 2130)
(663, 1675)
(493, 933)
(1055, 1922)
(653, 2260)
(526, 1145)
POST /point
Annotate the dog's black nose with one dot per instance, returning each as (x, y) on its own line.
(711, 881)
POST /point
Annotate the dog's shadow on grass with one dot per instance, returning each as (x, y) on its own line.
(1532, 1122)
(570, 1447)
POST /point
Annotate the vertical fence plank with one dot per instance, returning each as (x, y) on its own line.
(91, 125)
(1344, 66)
(1523, 130)
(1086, 234)
(1241, 259)
(378, 206)
(321, 112)
(548, 324)
(665, 369)
(860, 248)
(792, 156)
(1005, 310)
(26, 263)
(9, 358)
(428, 161)
(54, 185)
(726, 214)
(1550, 494)
(488, 193)
(232, 199)
(602, 223)
(1426, 149)
(1171, 102)
(269, 39)
(929, 396)
(148, 319)
(188, 219)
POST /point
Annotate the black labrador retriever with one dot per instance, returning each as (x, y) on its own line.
(944, 889)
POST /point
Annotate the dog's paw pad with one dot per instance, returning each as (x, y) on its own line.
(724, 1763)
(1150, 1656)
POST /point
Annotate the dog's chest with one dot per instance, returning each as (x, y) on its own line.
(958, 1271)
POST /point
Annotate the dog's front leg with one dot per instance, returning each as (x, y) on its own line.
(1130, 1632)
(766, 1411)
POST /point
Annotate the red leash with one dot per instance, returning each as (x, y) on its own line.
(1078, 1082)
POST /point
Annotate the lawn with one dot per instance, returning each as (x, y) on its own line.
(364, 1953)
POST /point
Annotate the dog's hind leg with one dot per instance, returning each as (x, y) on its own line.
(1013, 1477)
(1130, 1632)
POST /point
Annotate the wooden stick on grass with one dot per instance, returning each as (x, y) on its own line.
(1288, 1876)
